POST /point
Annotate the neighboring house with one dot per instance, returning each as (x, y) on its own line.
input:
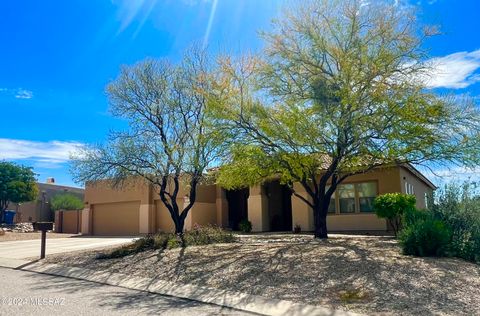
(137, 209)
(40, 210)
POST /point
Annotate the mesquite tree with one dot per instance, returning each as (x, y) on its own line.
(169, 142)
(17, 185)
(339, 91)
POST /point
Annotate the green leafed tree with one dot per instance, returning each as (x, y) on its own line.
(66, 202)
(341, 90)
(169, 142)
(17, 185)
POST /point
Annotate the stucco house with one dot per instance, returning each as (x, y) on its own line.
(137, 209)
(40, 210)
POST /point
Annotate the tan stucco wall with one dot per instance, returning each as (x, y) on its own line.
(420, 188)
(204, 213)
(302, 214)
(164, 222)
(347, 222)
(102, 192)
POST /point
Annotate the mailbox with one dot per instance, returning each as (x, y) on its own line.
(42, 226)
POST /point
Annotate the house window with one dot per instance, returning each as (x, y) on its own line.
(366, 194)
(346, 197)
(409, 188)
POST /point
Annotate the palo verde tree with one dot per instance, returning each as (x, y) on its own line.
(340, 90)
(169, 143)
(17, 185)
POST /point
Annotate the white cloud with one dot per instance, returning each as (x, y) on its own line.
(458, 70)
(445, 175)
(24, 94)
(18, 93)
(50, 153)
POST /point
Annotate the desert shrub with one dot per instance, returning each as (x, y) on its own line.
(199, 235)
(458, 206)
(66, 201)
(209, 234)
(245, 226)
(413, 215)
(425, 237)
(393, 206)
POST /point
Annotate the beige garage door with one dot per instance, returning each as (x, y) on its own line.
(116, 219)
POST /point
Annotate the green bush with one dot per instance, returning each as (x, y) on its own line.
(393, 206)
(199, 235)
(411, 216)
(245, 226)
(425, 237)
(66, 202)
(458, 206)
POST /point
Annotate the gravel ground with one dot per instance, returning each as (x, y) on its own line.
(11, 236)
(364, 274)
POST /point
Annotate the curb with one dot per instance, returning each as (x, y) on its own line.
(236, 300)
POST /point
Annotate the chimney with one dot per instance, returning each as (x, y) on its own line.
(50, 180)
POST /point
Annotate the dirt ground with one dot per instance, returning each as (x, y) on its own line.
(365, 274)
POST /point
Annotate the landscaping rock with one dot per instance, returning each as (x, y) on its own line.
(17, 228)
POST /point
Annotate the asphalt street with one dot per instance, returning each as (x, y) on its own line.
(28, 293)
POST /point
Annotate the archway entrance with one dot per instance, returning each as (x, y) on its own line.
(237, 206)
(279, 206)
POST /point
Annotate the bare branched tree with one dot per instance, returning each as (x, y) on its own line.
(170, 141)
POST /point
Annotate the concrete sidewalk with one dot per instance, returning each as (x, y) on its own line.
(240, 301)
(21, 249)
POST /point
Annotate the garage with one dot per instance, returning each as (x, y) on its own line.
(116, 219)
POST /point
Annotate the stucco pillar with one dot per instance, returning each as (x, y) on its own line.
(86, 221)
(302, 214)
(258, 209)
(146, 220)
(222, 207)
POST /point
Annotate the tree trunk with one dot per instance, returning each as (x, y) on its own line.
(179, 225)
(320, 221)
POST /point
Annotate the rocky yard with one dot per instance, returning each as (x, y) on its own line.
(366, 274)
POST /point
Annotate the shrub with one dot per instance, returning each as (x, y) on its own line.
(245, 226)
(392, 206)
(425, 237)
(199, 235)
(66, 202)
(411, 216)
(458, 206)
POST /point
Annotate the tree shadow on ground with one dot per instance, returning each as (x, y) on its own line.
(123, 300)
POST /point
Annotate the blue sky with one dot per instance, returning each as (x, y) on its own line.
(57, 56)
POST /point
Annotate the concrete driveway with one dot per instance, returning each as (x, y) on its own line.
(22, 249)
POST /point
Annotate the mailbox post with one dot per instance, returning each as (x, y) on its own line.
(43, 227)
